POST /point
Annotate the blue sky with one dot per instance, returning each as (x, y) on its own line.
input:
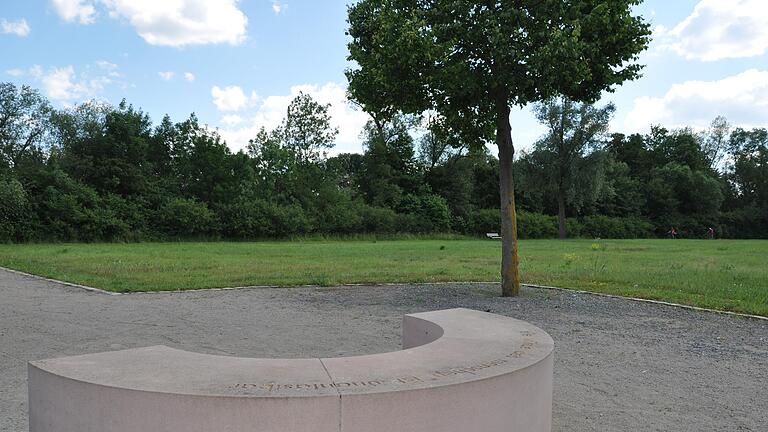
(237, 64)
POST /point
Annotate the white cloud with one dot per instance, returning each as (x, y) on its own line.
(231, 98)
(271, 111)
(173, 23)
(19, 28)
(742, 98)
(231, 120)
(82, 11)
(109, 68)
(182, 22)
(60, 84)
(166, 76)
(65, 85)
(36, 71)
(189, 76)
(718, 30)
(15, 72)
(278, 7)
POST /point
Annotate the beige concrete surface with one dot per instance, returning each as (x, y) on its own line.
(461, 370)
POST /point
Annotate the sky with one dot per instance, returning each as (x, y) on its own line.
(237, 64)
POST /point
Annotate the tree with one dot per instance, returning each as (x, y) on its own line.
(14, 210)
(682, 197)
(681, 146)
(714, 142)
(288, 160)
(307, 129)
(274, 164)
(749, 169)
(389, 170)
(24, 121)
(631, 150)
(622, 195)
(471, 61)
(205, 167)
(574, 129)
(438, 144)
(747, 174)
(106, 147)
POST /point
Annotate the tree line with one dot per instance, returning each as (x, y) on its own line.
(95, 172)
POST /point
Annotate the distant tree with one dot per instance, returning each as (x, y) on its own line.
(747, 173)
(675, 191)
(622, 193)
(573, 130)
(749, 167)
(203, 163)
(14, 210)
(346, 167)
(631, 150)
(24, 121)
(714, 142)
(307, 130)
(680, 146)
(161, 148)
(104, 147)
(485, 176)
(439, 143)
(389, 170)
(472, 61)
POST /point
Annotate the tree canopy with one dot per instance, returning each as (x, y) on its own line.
(461, 58)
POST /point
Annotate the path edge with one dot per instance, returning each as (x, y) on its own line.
(254, 287)
(60, 282)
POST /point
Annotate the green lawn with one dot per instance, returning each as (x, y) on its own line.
(722, 274)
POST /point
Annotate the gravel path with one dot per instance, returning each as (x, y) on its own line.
(619, 365)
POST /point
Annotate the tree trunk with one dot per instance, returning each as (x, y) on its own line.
(561, 214)
(510, 276)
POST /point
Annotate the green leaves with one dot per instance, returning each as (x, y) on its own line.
(24, 122)
(307, 129)
(451, 55)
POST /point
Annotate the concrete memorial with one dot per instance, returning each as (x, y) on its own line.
(460, 370)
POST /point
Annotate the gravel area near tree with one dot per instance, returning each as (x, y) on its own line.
(620, 365)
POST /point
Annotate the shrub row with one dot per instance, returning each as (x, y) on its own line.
(539, 226)
(79, 214)
(74, 212)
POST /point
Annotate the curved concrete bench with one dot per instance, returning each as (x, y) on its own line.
(460, 370)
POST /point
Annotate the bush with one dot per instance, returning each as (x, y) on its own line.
(287, 220)
(536, 226)
(424, 214)
(412, 224)
(127, 218)
(529, 225)
(72, 211)
(342, 217)
(484, 221)
(693, 226)
(747, 222)
(184, 218)
(615, 227)
(378, 220)
(539, 226)
(245, 219)
(15, 212)
(257, 219)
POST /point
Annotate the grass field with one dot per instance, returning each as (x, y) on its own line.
(722, 274)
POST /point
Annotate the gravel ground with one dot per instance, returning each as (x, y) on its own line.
(620, 365)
